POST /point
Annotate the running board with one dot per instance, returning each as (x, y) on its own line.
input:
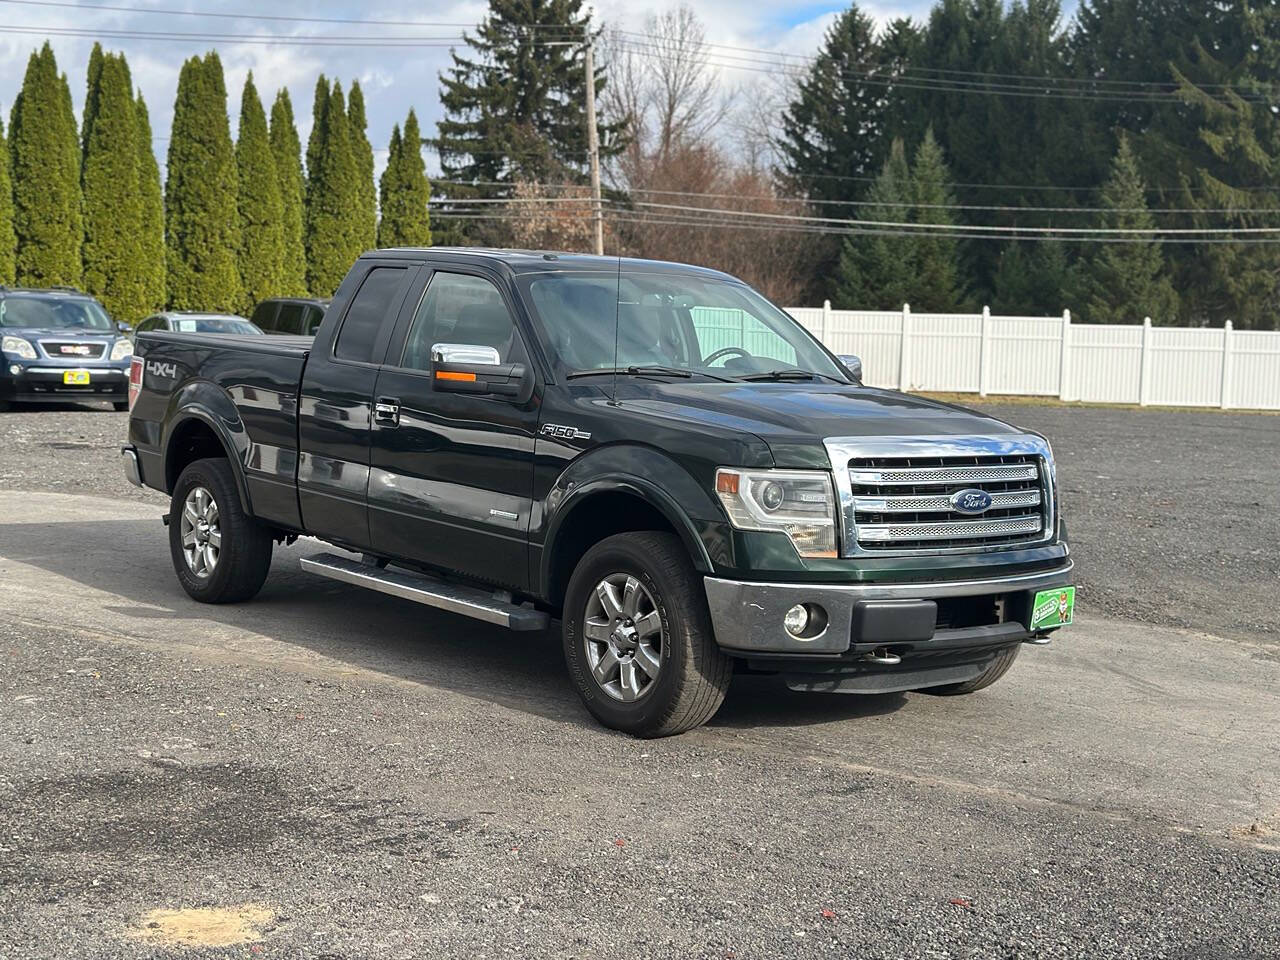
(455, 598)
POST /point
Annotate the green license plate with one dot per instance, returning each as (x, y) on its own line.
(1053, 608)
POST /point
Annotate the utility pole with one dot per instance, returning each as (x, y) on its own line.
(593, 148)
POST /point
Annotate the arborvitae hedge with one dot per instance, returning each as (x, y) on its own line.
(45, 156)
(151, 254)
(362, 153)
(202, 224)
(286, 150)
(8, 243)
(112, 204)
(404, 191)
(333, 200)
(261, 213)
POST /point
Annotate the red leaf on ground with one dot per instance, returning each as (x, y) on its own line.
(828, 914)
(619, 842)
(961, 902)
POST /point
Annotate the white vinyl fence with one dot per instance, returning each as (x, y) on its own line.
(1053, 357)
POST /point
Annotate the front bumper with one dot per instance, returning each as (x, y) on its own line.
(40, 381)
(906, 618)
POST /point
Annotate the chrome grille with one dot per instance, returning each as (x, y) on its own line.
(904, 502)
(73, 349)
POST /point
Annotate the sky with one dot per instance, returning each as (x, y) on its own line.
(393, 79)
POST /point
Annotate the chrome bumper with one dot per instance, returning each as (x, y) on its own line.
(132, 471)
(747, 616)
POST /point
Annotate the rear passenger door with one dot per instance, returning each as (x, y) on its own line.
(334, 410)
(451, 473)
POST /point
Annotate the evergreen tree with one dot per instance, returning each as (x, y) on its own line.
(362, 153)
(45, 156)
(514, 112)
(833, 131)
(151, 253)
(333, 201)
(8, 243)
(878, 270)
(94, 74)
(259, 204)
(404, 191)
(1126, 281)
(112, 205)
(1035, 279)
(286, 149)
(202, 225)
(934, 257)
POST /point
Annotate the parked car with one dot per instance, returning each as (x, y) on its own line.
(652, 453)
(290, 315)
(182, 321)
(60, 345)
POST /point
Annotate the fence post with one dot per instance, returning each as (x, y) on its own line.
(904, 349)
(824, 327)
(1144, 384)
(984, 351)
(1228, 363)
(1064, 361)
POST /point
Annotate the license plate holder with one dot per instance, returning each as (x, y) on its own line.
(75, 378)
(1053, 608)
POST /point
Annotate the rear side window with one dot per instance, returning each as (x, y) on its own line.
(264, 315)
(368, 310)
(290, 318)
(315, 316)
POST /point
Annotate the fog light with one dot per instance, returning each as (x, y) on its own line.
(15, 369)
(797, 620)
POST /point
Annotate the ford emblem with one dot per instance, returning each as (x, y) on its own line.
(971, 501)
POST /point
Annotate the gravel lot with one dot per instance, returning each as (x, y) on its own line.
(327, 773)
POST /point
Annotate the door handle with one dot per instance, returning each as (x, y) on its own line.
(386, 411)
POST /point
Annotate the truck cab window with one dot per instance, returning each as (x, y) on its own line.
(458, 308)
(289, 319)
(368, 310)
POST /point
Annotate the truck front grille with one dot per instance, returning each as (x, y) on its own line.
(905, 503)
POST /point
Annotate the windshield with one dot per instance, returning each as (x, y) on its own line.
(690, 325)
(53, 313)
(214, 325)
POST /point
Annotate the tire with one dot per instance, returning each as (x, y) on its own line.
(996, 669)
(693, 673)
(238, 566)
(119, 406)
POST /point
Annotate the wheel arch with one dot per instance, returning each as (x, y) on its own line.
(196, 434)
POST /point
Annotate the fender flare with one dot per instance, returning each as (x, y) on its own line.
(192, 403)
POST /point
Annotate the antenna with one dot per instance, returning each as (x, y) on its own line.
(617, 319)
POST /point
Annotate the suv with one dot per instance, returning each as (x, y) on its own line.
(290, 315)
(191, 321)
(58, 345)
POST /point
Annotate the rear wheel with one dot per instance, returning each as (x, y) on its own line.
(637, 637)
(996, 669)
(221, 554)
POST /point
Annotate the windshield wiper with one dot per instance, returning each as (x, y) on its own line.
(648, 370)
(789, 373)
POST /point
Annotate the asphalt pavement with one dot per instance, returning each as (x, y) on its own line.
(325, 772)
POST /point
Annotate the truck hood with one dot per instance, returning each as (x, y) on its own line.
(795, 418)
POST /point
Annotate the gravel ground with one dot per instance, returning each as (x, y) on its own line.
(328, 773)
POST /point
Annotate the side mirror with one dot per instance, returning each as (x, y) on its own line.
(478, 370)
(853, 365)
(123, 327)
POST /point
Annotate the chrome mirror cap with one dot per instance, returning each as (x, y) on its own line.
(464, 353)
(853, 365)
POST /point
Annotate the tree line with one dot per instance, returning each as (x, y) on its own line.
(234, 223)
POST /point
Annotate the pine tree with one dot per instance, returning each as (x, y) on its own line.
(1126, 281)
(515, 111)
(333, 201)
(261, 211)
(202, 225)
(151, 253)
(45, 156)
(8, 243)
(935, 257)
(362, 153)
(1035, 280)
(112, 205)
(286, 150)
(877, 270)
(404, 191)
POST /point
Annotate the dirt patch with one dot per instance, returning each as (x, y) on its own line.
(204, 926)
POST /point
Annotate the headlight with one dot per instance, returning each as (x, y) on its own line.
(122, 349)
(799, 503)
(18, 347)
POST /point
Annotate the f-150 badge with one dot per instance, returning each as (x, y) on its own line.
(561, 432)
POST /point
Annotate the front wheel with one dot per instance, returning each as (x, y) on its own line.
(638, 640)
(220, 553)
